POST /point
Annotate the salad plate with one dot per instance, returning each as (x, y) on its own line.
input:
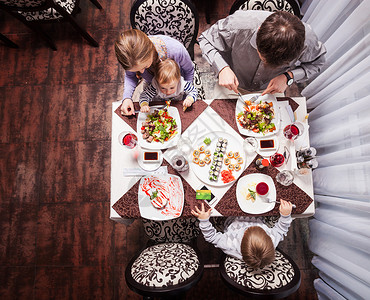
(169, 189)
(262, 129)
(260, 204)
(203, 171)
(164, 134)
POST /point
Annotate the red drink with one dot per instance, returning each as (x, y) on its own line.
(262, 188)
(277, 160)
(291, 131)
(129, 140)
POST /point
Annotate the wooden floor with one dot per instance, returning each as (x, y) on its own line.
(56, 238)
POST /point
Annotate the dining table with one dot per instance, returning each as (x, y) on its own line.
(202, 118)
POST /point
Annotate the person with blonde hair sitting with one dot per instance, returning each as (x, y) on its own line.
(168, 84)
(247, 238)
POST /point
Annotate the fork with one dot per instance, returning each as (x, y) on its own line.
(270, 201)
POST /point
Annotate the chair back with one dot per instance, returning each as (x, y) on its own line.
(23, 3)
(275, 281)
(268, 5)
(180, 230)
(175, 18)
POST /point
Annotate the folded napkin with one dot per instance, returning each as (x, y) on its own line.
(141, 172)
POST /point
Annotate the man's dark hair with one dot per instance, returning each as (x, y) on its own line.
(280, 39)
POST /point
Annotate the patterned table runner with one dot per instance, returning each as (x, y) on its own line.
(186, 117)
(127, 206)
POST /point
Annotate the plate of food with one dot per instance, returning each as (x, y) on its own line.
(159, 128)
(249, 200)
(218, 158)
(259, 118)
(161, 197)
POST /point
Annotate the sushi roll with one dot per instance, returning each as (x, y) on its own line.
(230, 167)
(215, 178)
(221, 155)
(219, 163)
(214, 162)
(236, 155)
(216, 173)
(218, 149)
(239, 160)
(220, 140)
(225, 141)
(218, 144)
(213, 167)
(201, 163)
(218, 168)
(223, 149)
(210, 177)
(210, 172)
(237, 167)
(230, 154)
(201, 149)
(207, 152)
(196, 160)
(227, 161)
(207, 160)
(219, 159)
(196, 153)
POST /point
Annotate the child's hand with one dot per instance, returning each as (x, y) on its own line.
(285, 207)
(188, 101)
(145, 109)
(201, 214)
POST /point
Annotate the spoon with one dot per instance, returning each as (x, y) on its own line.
(270, 201)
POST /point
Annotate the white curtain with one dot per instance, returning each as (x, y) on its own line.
(339, 100)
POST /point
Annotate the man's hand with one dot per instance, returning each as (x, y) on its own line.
(127, 107)
(276, 85)
(201, 214)
(227, 79)
(285, 207)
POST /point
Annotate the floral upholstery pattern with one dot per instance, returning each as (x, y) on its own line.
(273, 276)
(165, 265)
(269, 5)
(175, 230)
(198, 83)
(169, 17)
(41, 15)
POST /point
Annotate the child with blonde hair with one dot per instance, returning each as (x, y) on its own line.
(247, 238)
(168, 84)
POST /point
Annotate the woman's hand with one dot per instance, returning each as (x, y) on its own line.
(276, 85)
(201, 214)
(145, 109)
(285, 207)
(127, 107)
(227, 79)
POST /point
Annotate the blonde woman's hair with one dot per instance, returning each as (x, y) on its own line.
(132, 47)
(257, 248)
(167, 71)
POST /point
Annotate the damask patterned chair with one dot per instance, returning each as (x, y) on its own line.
(176, 18)
(270, 5)
(275, 281)
(171, 263)
(34, 12)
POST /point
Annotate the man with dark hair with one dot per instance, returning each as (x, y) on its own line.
(259, 50)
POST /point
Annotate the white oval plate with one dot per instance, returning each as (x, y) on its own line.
(174, 113)
(169, 186)
(260, 205)
(276, 120)
(233, 145)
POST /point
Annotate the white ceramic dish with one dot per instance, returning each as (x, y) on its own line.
(233, 145)
(174, 113)
(276, 120)
(260, 205)
(168, 186)
(149, 166)
(268, 151)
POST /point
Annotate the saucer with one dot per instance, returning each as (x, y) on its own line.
(150, 166)
(270, 151)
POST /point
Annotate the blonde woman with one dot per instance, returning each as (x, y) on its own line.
(140, 54)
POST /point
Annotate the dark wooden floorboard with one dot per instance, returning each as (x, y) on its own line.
(56, 238)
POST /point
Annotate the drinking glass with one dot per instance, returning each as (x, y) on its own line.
(179, 163)
(293, 131)
(250, 145)
(277, 160)
(285, 177)
(184, 145)
(127, 139)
